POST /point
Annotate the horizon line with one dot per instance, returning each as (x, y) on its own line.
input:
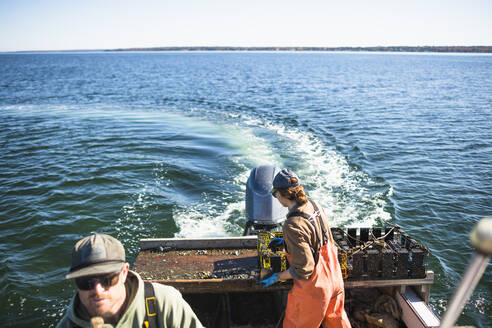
(443, 49)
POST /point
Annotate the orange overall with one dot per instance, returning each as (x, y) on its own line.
(318, 300)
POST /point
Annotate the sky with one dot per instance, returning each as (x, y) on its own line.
(110, 24)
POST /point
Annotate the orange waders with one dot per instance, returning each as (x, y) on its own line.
(318, 300)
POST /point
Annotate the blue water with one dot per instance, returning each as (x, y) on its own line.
(142, 145)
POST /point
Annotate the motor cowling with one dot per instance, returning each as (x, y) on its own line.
(263, 211)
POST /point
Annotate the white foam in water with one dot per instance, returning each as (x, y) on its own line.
(325, 173)
(208, 223)
(194, 224)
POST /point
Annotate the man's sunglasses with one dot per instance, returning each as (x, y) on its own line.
(106, 281)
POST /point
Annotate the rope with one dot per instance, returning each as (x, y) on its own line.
(378, 241)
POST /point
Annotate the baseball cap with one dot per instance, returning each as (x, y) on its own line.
(97, 254)
(282, 180)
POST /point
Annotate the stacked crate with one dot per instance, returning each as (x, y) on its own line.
(379, 253)
(364, 254)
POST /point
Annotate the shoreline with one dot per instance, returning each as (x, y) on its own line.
(391, 49)
(464, 49)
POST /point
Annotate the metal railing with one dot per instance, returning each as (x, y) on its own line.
(481, 239)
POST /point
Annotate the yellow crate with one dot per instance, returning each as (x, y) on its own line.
(266, 254)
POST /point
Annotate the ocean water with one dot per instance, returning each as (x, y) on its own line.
(160, 144)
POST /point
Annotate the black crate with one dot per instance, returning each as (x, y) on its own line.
(379, 253)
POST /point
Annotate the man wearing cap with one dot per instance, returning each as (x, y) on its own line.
(107, 288)
(317, 296)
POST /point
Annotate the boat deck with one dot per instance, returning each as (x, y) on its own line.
(225, 265)
(219, 277)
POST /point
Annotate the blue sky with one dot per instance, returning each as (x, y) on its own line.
(107, 24)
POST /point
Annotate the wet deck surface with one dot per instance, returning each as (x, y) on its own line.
(198, 264)
(204, 271)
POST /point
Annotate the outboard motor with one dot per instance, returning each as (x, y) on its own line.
(263, 211)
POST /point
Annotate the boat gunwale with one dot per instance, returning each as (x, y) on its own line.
(198, 243)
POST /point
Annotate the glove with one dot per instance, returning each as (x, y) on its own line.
(269, 281)
(276, 243)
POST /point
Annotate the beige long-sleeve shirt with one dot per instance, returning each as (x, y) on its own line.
(302, 242)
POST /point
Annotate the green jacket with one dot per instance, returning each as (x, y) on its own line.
(173, 311)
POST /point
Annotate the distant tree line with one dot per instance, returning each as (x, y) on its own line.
(465, 49)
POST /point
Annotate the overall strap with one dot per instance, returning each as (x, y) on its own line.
(321, 223)
(150, 306)
(312, 219)
(309, 217)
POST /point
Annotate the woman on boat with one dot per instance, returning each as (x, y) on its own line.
(317, 297)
